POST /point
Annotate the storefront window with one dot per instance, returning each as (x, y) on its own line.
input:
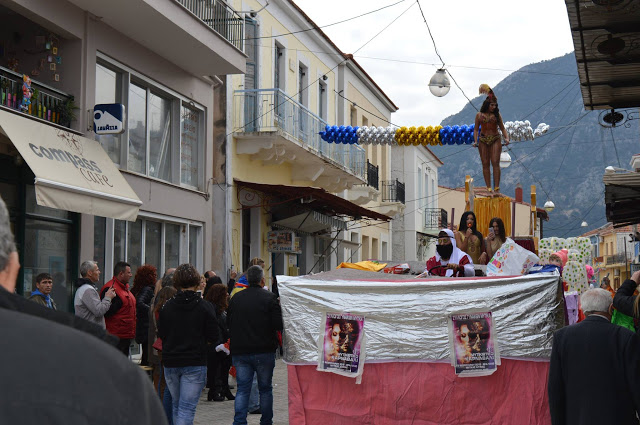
(108, 89)
(194, 242)
(153, 249)
(137, 129)
(119, 241)
(99, 233)
(160, 137)
(171, 245)
(47, 249)
(134, 246)
(189, 142)
(33, 207)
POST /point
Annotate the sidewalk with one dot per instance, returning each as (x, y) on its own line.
(212, 412)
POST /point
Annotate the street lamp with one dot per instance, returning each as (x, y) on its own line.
(549, 206)
(505, 159)
(439, 84)
(583, 224)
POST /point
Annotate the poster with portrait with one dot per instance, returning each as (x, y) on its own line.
(472, 343)
(341, 344)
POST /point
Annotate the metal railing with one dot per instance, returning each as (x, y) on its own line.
(46, 102)
(392, 191)
(220, 17)
(372, 175)
(617, 258)
(272, 110)
(435, 218)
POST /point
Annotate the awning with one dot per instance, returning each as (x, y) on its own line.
(621, 194)
(315, 199)
(73, 173)
(310, 222)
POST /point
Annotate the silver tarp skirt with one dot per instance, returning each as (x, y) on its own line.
(406, 318)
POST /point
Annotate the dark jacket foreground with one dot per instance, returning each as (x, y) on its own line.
(594, 355)
(186, 324)
(10, 301)
(254, 317)
(54, 374)
(143, 303)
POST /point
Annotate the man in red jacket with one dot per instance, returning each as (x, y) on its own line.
(121, 317)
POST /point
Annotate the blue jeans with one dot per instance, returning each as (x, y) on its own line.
(254, 396)
(185, 384)
(246, 365)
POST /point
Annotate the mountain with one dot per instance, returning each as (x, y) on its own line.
(567, 164)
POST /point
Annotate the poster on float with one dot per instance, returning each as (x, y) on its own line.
(341, 345)
(473, 347)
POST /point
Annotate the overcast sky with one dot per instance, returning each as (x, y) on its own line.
(502, 34)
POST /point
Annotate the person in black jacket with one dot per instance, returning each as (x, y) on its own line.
(254, 317)
(218, 358)
(627, 303)
(143, 285)
(594, 354)
(186, 324)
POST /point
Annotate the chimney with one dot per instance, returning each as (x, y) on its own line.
(518, 192)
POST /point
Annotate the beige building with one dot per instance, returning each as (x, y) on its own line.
(282, 203)
(614, 252)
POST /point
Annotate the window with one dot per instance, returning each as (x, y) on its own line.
(165, 134)
(109, 90)
(375, 253)
(320, 255)
(425, 197)
(148, 240)
(354, 116)
(322, 100)
(365, 121)
(419, 194)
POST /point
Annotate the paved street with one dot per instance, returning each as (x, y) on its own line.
(211, 412)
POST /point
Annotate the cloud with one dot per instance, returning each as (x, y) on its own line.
(498, 34)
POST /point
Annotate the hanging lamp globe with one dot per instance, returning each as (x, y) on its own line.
(584, 224)
(439, 84)
(505, 159)
(549, 206)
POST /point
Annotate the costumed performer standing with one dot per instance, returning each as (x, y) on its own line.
(449, 259)
(487, 138)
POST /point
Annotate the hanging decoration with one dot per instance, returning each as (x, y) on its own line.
(519, 131)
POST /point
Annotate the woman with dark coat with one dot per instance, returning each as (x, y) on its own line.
(218, 357)
(627, 303)
(143, 285)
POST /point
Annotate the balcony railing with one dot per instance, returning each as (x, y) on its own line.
(220, 17)
(372, 175)
(617, 258)
(47, 103)
(435, 218)
(392, 191)
(273, 110)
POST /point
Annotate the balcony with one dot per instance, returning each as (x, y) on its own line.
(274, 128)
(367, 192)
(616, 259)
(203, 37)
(435, 218)
(47, 104)
(392, 197)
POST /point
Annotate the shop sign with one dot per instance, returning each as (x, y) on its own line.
(108, 118)
(281, 241)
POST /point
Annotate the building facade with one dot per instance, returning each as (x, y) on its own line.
(414, 230)
(160, 59)
(292, 89)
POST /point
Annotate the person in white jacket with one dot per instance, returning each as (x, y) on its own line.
(87, 302)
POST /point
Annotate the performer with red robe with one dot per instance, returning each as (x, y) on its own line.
(449, 259)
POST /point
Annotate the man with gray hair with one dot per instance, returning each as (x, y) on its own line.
(87, 302)
(254, 317)
(595, 354)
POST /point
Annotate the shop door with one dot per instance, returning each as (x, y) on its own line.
(46, 238)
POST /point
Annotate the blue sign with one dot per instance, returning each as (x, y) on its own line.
(108, 118)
